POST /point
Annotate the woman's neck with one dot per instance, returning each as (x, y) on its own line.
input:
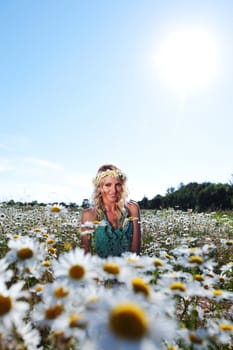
(110, 207)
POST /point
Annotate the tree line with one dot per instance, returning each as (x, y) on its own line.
(206, 196)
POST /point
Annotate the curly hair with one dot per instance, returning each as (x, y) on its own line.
(97, 193)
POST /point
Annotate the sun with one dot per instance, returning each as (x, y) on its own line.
(187, 60)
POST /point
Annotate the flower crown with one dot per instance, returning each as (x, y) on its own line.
(108, 172)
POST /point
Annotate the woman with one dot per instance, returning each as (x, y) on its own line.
(113, 222)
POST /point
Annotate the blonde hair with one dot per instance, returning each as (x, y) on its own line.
(114, 171)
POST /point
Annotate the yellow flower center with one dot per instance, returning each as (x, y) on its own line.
(37, 230)
(226, 327)
(169, 257)
(128, 321)
(229, 242)
(217, 292)
(52, 250)
(92, 303)
(25, 253)
(195, 339)
(55, 209)
(46, 263)
(140, 286)
(199, 278)
(178, 286)
(39, 288)
(76, 320)
(67, 245)
(158, 262)
(210, 275)
(111, 268)
(5, 305)
(60, 292)
(58, 333)
(16, 236)
(50, 241)
(73, 320)
(195, 259)
(131, 260)
(77, 272)
(53, 312)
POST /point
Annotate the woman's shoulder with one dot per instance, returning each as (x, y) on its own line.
(88, 214)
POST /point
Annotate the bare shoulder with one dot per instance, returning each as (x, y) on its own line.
(88, 215)
(133, 208)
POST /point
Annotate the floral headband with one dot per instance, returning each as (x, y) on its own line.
(108, 172)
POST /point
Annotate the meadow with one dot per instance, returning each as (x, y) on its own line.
(178, 294)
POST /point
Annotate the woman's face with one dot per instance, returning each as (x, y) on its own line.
(111, 189)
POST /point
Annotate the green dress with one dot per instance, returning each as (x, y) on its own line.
(108, 241)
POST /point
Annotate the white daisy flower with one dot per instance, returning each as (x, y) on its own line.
(221, 330)
(56, 292)
(139, 264)
(12, 309)
(30, 336)
(56, 209)
(195, 339)
(124, 322)
(72, 324)
(5, 274)
(45, 314)
(113, 270)
(27, 252)
(75, 267)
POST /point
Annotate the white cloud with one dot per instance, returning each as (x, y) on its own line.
(42, 192)
(28, 178)
(28, 166)
(42, 163)
(5, 164)
(14, 142)
(4, 147)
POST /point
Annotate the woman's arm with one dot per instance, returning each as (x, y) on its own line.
(88, 215)
(134, 211)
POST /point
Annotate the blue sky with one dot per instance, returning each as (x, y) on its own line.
(81, 86)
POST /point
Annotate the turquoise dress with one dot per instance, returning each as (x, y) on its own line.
(108, 241)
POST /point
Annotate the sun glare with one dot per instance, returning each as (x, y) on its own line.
(187, 60)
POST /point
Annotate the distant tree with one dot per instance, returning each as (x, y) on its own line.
(216, 197)
(144, 203)
(181, 184)
(63, 204)
(169, 200)
(11, 202)
(73, 205)
(85, 203)
(170, 190)
(156, 202)
(201, 197)
(34, 203)
(231, 180)
(187, 196)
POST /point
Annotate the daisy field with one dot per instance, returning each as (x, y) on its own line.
(178, 294)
